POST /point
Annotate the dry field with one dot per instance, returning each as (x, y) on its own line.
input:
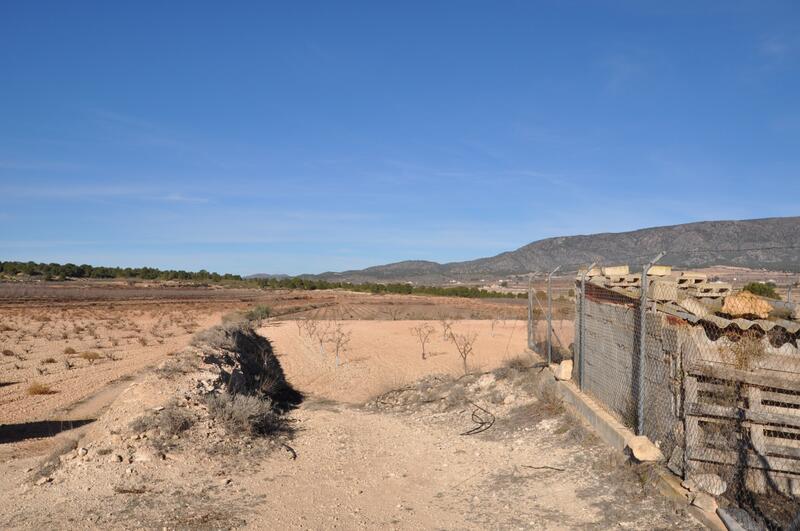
(67, 348)
(384, 438)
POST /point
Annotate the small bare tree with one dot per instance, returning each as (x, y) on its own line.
(310, 326)
(321, 333)
(423, 333)
(394, 312)
(464, 344)
(339, 339)
(447, 327)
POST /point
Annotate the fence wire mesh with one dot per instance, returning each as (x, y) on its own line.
(707, 371)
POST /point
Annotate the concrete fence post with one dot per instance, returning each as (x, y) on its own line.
(550, 315)
(582, 328)
(640, 398)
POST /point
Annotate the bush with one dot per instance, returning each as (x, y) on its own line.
(37, 388)
(762, 289)
(246, 414)
(259, 313)
(8, 352)
(518, 363)
(90, 356)
(69, 351)
(171, 420)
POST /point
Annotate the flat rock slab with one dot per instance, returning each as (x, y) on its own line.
(643, 450)
(564, 370)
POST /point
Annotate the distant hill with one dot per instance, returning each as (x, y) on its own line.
(770, 243)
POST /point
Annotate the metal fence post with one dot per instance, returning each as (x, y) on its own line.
(550, 315)
(582, 327)
(530, 311)
(642, 348)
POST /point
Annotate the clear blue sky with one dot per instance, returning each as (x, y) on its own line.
(309, 136)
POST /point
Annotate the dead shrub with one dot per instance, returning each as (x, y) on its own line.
(550, 403)
(176, 366)
(69, 351)
(90, 356)
(36, 388)
(246, 414)
(48, 360)
(170, 421)
(8, 352)
(259, 313)
(219, 337)
(518, 363)
(49, 464)
(747, 350)
(456, 397)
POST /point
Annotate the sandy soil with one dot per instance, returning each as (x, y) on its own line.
(80, 341)
(385, 355)
(75, 353)
(379, 442)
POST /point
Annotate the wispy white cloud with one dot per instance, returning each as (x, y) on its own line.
(180, 198)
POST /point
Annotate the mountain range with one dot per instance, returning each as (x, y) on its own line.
(769, 243)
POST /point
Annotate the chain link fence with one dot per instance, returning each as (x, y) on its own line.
(706, 370)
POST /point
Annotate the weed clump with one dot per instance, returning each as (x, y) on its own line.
(246, 414)
(747, 351)
(90, 356)
(170, 421)
(36, 388)
(259, 313)
(69, 351)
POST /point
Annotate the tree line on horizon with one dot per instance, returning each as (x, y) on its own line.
(53, 271)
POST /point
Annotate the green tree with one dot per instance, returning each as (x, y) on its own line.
(763, 289)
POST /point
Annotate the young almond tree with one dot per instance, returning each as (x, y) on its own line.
(423, 333)
(339, 339)
(447, 327)
(464, 344)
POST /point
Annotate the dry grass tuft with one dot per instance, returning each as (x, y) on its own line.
(748, 350)
(246, 414)
(36, 388)
(8, 352)
(90, 356)
(48, 360)
(69, 351)
(170, 421)
(518, 363)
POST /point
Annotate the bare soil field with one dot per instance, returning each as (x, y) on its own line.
(384, 355)
(383, 439)
(63, 343)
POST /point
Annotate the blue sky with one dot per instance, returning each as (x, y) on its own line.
(309, 136)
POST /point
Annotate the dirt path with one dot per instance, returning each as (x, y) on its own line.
(365, 470)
